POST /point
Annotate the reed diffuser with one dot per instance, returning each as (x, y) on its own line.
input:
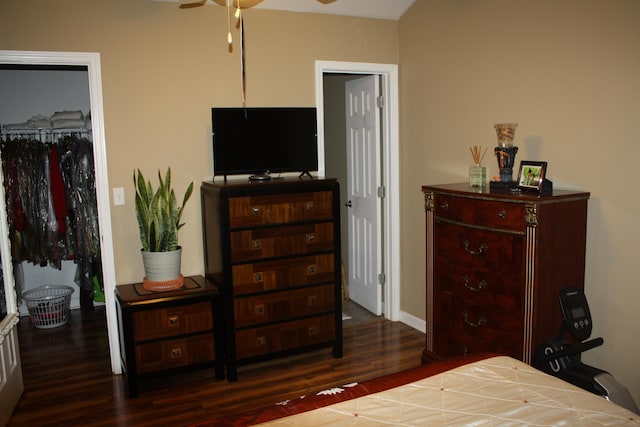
(477, 172)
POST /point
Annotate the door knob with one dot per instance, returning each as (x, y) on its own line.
(348, 203)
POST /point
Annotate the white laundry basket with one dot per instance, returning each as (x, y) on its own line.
(48, 305)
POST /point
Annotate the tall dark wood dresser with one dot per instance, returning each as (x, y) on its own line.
(495, 266)
(273, 250)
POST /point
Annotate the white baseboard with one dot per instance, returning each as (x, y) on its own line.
(413, 321)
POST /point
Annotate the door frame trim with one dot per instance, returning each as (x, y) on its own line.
(92, 61)
(390, 165)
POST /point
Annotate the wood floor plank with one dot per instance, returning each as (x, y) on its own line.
(68, 379)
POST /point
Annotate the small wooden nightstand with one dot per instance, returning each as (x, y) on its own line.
(165, 331)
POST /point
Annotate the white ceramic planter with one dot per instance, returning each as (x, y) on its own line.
(162, 266)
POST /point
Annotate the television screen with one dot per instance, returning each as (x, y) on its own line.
(261, 140)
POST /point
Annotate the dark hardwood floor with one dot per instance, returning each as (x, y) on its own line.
(68, 379)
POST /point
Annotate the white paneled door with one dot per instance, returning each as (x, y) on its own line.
(363, 183)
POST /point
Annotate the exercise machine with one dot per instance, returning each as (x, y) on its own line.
(562, 359)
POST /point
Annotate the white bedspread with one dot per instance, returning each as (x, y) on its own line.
(499, 391)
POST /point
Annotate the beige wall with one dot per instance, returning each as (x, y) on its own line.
(568, 72)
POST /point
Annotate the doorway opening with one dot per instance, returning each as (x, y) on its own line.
(90, 61)
(387, 168)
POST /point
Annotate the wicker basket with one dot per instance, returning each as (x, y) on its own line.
(48, 305)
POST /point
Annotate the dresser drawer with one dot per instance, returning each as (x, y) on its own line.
(283, 305)
(281, 241)
(473, 328)
(172, 321)
(175, 353)
(280, 208)
(488, 287)
(283, 274)
(479, 249)
(484, 213)
(284, 336)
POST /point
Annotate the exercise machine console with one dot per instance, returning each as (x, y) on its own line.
(560, 358)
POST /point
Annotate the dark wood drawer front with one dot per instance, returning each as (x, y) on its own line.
(169, 354)
(283, 305)
(284, 336)
(479, 249)
(283, 274)
(280, 208)
(172, 321)
(492, 289)
(473, 328)
(281, 241)
(485, 213)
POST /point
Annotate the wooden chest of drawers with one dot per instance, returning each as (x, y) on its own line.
(168, 330)
(495, 266)
(273, 250)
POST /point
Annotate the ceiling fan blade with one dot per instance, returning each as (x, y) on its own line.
(186, 4)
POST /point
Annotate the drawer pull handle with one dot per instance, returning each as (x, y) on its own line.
(311, 238)
(502, 214)
(481, 321)
(481, 249)
(176, 353)
(257, 244)
(173, 321)
(255, 211)
(468, 285)
(311, 269)
(259, 309)
(444, 206)
(257, 277)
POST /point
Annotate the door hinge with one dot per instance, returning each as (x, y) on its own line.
(382, 192)
(380, 101)
(382, 278)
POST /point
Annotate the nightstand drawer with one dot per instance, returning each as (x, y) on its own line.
(284, 336)
(280, 209)
(172, 321)
(485, 213)
(283, 274)
(281, 241)
(283, 305)
(169, 354)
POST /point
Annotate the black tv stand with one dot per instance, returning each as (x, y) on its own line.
(303, 173)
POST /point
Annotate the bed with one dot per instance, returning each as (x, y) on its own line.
(487, 390)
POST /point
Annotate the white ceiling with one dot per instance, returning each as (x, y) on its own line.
(381, 9)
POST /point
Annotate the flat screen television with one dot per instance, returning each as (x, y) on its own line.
(259, 141)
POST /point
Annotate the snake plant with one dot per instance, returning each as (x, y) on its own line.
(158, 212)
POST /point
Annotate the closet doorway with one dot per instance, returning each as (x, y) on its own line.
(91, 63)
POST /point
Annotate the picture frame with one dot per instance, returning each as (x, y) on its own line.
(532, 175)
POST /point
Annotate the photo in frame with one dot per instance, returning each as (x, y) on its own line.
(532, 175)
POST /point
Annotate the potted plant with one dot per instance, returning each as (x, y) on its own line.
(158, 215)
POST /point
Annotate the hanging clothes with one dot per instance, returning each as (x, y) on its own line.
(52, 206)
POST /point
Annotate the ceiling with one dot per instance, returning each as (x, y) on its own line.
(380, 9)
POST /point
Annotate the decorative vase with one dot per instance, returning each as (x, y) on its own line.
(505, 151)
(477, 175)
(162, 270)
